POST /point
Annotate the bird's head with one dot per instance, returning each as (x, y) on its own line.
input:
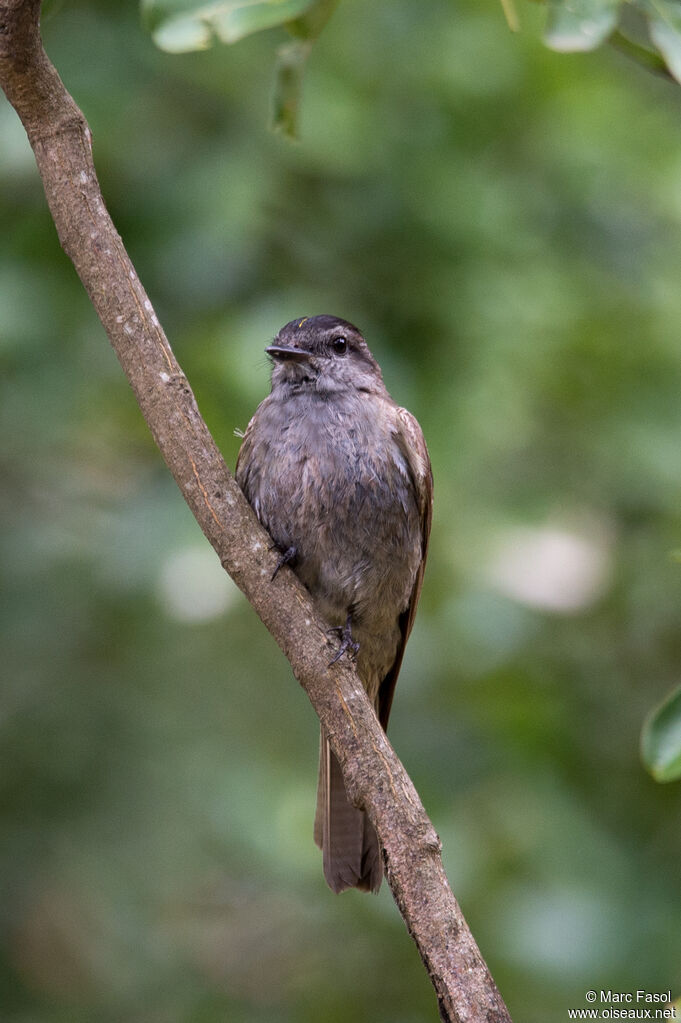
(323, 355)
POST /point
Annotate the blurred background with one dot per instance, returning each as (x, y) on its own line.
(504, 223)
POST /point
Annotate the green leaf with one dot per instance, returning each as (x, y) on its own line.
(665, 32)
(579, 25)
(179, 26)
(661, 739)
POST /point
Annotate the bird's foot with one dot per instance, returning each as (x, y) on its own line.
(348, 644)
(285, 558)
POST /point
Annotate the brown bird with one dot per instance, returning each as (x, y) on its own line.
(340, 477)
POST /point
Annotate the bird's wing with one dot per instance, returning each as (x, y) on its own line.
(245, 471)
(409, 438)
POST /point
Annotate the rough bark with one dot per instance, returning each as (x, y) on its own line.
(375, 778)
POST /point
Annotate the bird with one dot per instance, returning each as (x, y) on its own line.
(339, 475)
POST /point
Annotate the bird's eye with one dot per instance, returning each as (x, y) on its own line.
(339, 345)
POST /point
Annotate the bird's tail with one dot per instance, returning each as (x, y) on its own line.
(352, 855)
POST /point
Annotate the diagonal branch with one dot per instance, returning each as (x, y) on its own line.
(375, 778)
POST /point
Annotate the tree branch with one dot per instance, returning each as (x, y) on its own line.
(375, 778)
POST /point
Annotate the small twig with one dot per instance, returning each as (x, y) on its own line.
(649, 60)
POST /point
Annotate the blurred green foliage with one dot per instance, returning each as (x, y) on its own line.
(649, 32)
(182, 26)
(504, 224)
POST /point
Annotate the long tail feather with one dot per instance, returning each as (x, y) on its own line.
(351, 853)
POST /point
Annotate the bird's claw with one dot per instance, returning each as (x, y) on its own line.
(288, 555)
(347, 642)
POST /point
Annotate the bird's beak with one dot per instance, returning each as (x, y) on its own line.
(286, 353)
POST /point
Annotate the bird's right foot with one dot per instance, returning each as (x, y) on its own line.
(347, 642)
(288, 556)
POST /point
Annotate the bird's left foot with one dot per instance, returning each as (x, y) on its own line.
(348, 644)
